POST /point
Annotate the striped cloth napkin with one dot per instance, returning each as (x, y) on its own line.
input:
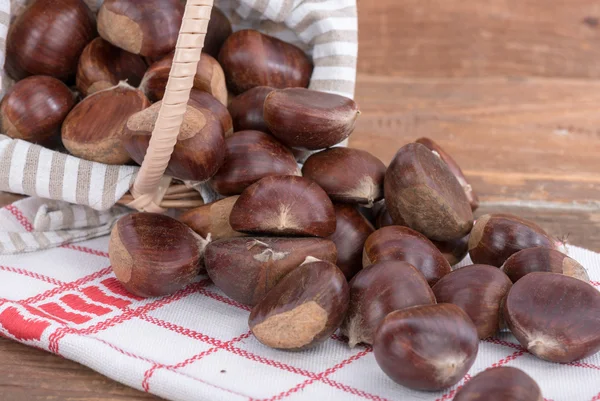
(195, 345)
(325, 29)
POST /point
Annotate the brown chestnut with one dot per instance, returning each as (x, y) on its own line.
(247, 109)
(495, 237)
(479, 290)
(246, 269)
(454, 250)
(404, 244)
(212, 219)
(454, 167)
(149, 28)
(555, 317)
(204, 100)
(347, 175)
(93, 130)
(502, 383)
(219, 29)
(252, 59)
(542, 260)
(48, 38)
(154, 255)
(209, 78)
(383, 218)
(307, 119)
(250, 156)
(303, 309)
(200, 148)
(102, 66)
(34, 109)
(284, 205)
(378, 290)
(351, 232)
(427, 347)
(421, 190)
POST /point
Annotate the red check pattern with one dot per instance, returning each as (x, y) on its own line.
(195, 344)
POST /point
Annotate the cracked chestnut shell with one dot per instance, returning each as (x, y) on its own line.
(212, 219)
(555, 317)
(249, 157)
(246, 269)
(542, 260)
(200, 148)
(34, 109)
(479, 290)
(380, 289)
(454, 168)
(209, 78)
(502, 383)
(93, 130)
(303, 309)
(284, 205)
(48, 38)
(351, 232)
(247, 109)
(347, 175)
(427, 347)
(102, 66)
(495, 237)
(250, 58)
(307, 119)
(404, 244)
(154, 255)
(149, 28)
(421, 190)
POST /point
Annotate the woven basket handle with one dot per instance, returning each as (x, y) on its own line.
(151, 184)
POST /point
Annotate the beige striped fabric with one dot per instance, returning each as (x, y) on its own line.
(326, 29)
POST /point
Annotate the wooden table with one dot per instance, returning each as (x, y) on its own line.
(511, 88)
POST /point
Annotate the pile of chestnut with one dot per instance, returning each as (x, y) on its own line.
(343, 242)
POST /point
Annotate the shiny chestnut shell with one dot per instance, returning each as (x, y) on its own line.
(303, 309)
(502, 383)
(542, 260)
(247, 109)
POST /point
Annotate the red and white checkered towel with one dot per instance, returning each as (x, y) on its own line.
(196, 345)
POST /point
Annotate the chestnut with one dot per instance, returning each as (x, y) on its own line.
(421, 190)
(307, 119)
(93, 130)
(200, 148)
(219, 29)
(380, 289)
(48, 38)
(479, 290)
(250, 156)
(555, 317)
(154, 255)
(347, 175)
(426, 347)
(284, 205)
(204, 100)
(495, 237)
(303, 309)
(34, 109)
(404, 244)
(383, 218)
(502, 383)
(209, 78)
(351, 232)
(102, 66)
(212, 219)
(454, 168)
(250, 58)
(542, 260)
(149, 28)
(454, 250)
(246, 269)
(247, 109)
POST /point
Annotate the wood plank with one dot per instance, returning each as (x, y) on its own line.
(454, 38)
